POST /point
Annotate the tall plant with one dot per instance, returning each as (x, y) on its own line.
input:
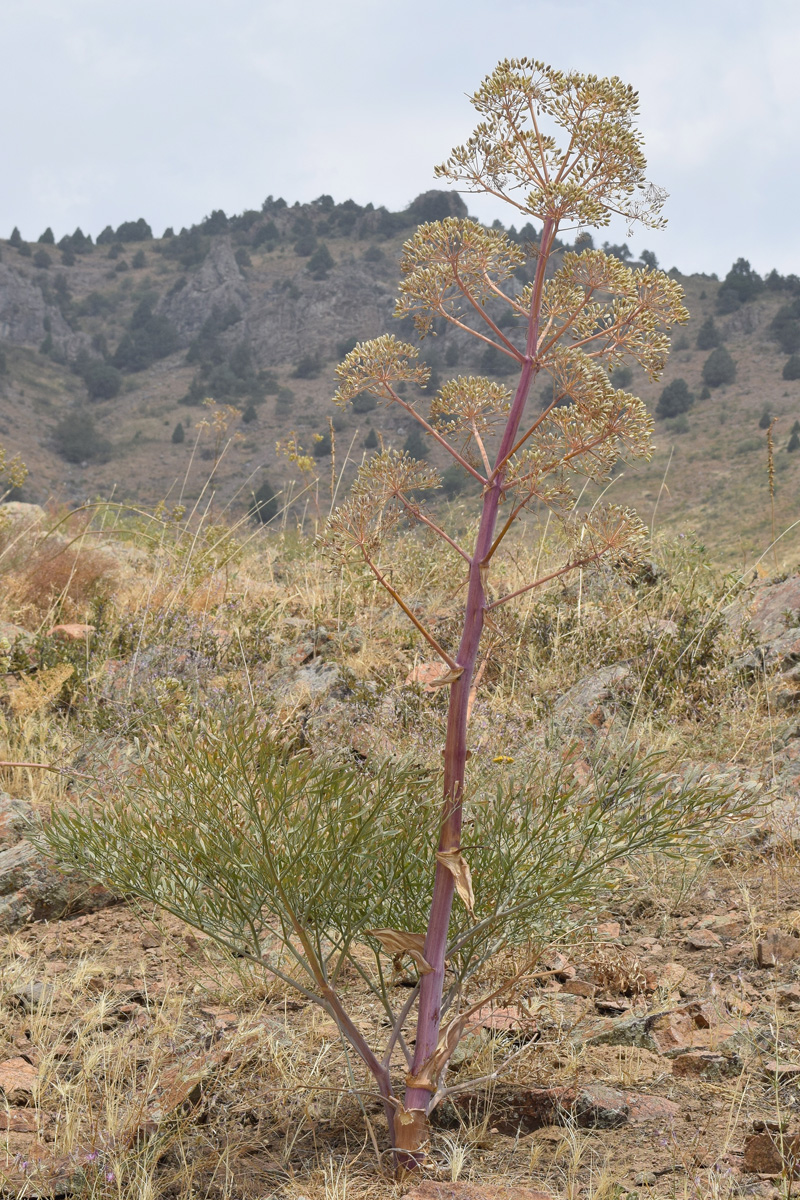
(301, 865)
(564, 150)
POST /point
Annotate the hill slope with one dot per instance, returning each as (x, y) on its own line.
(107, 348)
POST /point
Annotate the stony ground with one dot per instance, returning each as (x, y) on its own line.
(659, 1056)
(663, 1057)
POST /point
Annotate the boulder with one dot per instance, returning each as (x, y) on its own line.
(775, 609)
(776, 948)
(588, 702)
(22, 516)
(31, 887)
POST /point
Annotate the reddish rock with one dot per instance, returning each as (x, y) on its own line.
(39, 1173)
(608, 930)
(579, 987)
(776, 948)
(787, 993)
(650, 1108)
(17, 1080)
(672, 1031)
(703, 1064)
(703, 939)
(598, 1106)
(430, 1190)
(71, 632)
(729, 924)
(21, 1120)
(782, 1071)
(772, 1153)
(559, 965)
(660, 1032)
(675, 976)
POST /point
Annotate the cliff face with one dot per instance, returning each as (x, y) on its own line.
(25, 317)
(218, 283)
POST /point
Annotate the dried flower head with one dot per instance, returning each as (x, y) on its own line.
(375, 366)
(595, 171)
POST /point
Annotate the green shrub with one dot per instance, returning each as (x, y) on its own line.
(765, 419)
(321, 262)
(133, 231)
(305, 245)
(150, 337)
(178, 434)
(789, 337)
(785, 327)
(16, 238)
(621, 376)
(322, 446)
(708, 336)
(216, 223)
(371, 440)
(103, 381)
(435, 205)
(739, 286)
(679, 424)
(747, 446)
(373, 254)
(243, 258)
(42, 260)
(138, 261)
(95, 305)
(343, 348)
(308, 367)
(47, 238)
(77, 440)
(705, 394)
(284, 399)
(674, 399)
(415, 444)
(794, 438)
(190, 247)
(265, 504)
(719, 368)
(494, 362)
(454, 481)
(267, 233)
(249, 413)
(364, 403)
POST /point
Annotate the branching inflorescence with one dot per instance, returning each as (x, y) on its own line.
(258, 848)
(563, 149)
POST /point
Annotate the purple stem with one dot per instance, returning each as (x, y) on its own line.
(455, 754)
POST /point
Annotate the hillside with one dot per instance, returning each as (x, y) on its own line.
(108, 347)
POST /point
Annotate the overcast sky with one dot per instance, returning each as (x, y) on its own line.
(168, 109)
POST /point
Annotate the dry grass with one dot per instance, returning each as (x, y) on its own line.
(191, 616)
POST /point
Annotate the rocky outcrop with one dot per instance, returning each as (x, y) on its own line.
(312, 315)
(24, 315)
(218, 284)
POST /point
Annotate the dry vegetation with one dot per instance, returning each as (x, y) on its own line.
(159, 1066)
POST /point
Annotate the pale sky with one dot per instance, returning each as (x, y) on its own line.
(168, 109)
